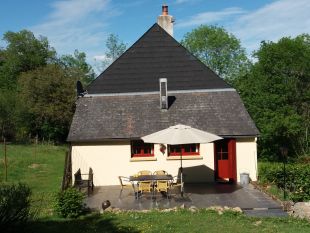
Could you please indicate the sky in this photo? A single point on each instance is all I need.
(85, 24)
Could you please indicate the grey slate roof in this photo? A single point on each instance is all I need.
(133, 116)
(155, 55)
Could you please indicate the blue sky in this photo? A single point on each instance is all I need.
(85, 24)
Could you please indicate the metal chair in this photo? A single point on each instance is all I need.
(124, 182)
(176, 182)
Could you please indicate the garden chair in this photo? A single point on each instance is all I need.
(145, 186)
(162, 186)
(125, 183)
(176, 183)
(80, 183)
(160, 172)
(144, 172)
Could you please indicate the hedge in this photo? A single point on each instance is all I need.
(297, 178)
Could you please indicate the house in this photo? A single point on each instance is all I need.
(155, 84)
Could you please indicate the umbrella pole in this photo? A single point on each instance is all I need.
(182, 188)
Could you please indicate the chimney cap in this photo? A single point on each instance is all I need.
(164, 9)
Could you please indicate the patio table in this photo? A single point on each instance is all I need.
(149, 178)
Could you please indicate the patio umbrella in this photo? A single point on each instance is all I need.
(178, 135)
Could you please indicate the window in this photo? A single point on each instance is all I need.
(186, 149)
(141, 149)
(222, 150)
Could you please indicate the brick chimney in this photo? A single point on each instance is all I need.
(165, 20)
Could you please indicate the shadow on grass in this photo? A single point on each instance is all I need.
(91, 223)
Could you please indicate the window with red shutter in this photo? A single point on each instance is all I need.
(141, 149)
(186, 149)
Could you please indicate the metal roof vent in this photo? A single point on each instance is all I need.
(163, 93)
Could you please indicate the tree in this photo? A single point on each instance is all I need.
(23, 52)
(77, 67)
(277, 94)
(48, 95)
(218, 49)
(7, 113)
(115, 48)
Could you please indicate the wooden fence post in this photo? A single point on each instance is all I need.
(5, 161)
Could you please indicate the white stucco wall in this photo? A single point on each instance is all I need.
(246, 153)
(112, 159)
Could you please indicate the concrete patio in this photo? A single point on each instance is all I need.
(250, 200)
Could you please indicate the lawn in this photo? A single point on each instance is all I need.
(179, 221)
(41, 167)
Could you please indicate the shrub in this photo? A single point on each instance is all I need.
(297, 179)
(69, 203)
(14, 203)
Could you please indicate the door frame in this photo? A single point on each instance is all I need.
(231, 157)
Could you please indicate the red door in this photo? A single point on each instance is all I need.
(225, 160)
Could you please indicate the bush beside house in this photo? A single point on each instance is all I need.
(297, 179)
(69, 203)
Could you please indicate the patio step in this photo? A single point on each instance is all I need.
(265, 212)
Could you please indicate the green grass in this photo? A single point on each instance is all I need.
(41, 167)
(179, 221)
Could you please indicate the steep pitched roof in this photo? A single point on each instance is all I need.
(155, 55)
(133, 116)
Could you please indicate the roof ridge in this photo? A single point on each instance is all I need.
(109, 67)
(156, 53)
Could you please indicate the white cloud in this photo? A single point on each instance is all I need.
(210, 17)
(74, 24)
(271, 22)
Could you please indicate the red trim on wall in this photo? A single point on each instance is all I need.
(232, 160)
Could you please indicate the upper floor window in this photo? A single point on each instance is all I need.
(141, 149)
(186, 149)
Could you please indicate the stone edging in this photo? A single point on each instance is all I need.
(219, 209)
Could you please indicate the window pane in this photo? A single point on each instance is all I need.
(193, 147)
(225, 156)
(222, 146)
(175, 149)
(187, 148)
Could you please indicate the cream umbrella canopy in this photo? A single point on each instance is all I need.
(178, 135)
